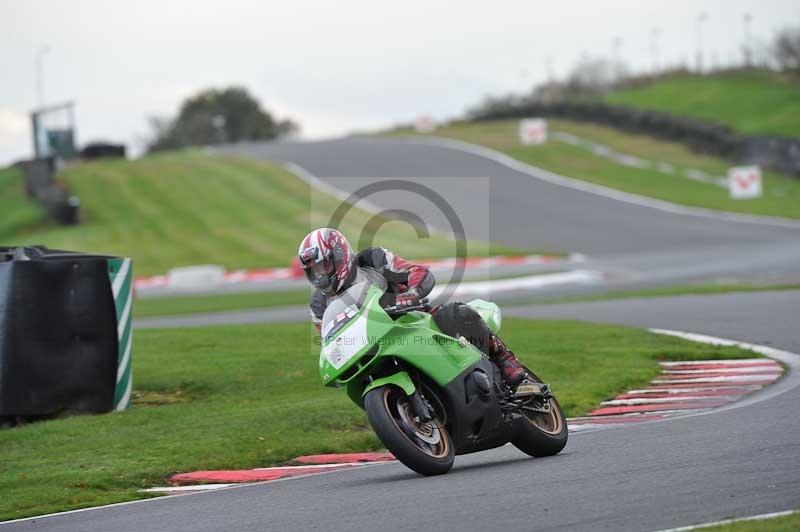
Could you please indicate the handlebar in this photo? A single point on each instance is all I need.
(423, 305)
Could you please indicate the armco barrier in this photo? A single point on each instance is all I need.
(65, 333)
(779, 153)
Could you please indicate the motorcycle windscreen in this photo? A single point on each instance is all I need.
(343, 308)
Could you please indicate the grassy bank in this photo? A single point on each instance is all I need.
(754, 102)
(249, 396)
(184, 208)
(781, 193)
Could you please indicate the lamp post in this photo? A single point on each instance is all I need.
(616, 45)
(701, 17)
(40, 53)
(655, 33)
(523, 79)
(551, 79)
(746, 48)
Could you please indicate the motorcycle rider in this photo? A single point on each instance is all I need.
(331, 267)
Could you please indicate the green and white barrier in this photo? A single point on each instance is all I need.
(121, 276)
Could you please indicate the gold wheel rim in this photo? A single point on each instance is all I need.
(552, 423)
(443, 446)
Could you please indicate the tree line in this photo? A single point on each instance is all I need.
(216, 116)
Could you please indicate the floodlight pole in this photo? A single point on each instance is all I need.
(40, 53)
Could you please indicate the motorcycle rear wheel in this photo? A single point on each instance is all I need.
(424, 447)
(542, 434)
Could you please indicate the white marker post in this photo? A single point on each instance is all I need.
(744, 182)
(424, 124)
(533, 131)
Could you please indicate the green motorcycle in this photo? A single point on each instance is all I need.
(429, 396)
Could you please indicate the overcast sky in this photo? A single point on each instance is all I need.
(332, 66)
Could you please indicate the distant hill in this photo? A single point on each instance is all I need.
(753, 102)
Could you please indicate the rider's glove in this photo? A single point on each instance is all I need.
(407, 299)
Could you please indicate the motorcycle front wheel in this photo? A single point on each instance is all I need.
(424, 447)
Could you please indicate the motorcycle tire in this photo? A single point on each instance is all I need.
(425, 448)
(545, 435)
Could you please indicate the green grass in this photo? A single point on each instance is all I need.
(754, 102)
(182, 208)
(781, 193)
(18, 212)
(666, 291)
(786, 523)
(168, 306)
(249, 396)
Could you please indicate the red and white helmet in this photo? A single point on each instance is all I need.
(327, 260)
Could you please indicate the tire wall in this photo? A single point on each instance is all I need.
(60, 333)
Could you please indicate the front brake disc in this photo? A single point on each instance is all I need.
(426, 432)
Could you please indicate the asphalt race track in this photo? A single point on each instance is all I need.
(635, 242)
(646, 244)
(737, 461)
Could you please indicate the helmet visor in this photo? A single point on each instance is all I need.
(320, 274)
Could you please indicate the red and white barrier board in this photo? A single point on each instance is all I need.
(424, 124)
(744, 182)
(533, 131)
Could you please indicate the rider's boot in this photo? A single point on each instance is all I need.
(510, 366)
